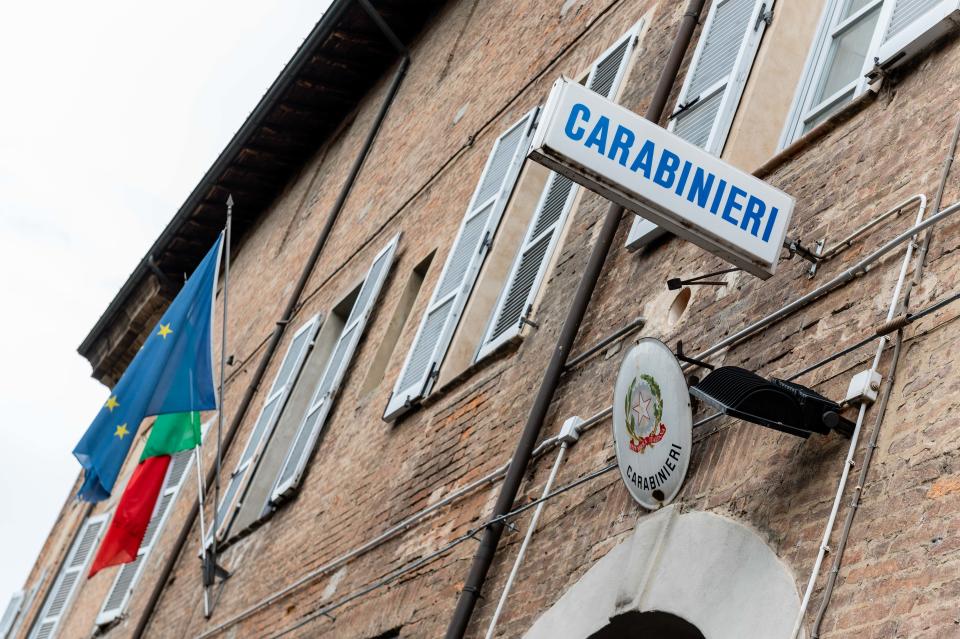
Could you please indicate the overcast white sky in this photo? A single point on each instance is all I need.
(110, 112)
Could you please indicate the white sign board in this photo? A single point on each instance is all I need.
(676, 185)
(652, 423)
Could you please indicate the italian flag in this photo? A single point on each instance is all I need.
(171, 433)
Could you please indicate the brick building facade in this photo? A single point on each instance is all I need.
(353, 511)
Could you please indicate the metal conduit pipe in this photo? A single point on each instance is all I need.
(544, 447)
(938, 198)
(858, 269)
(487, 548)
(851, 451)
(285, 318)
(885, 398)
(521, 553)
(621, 332)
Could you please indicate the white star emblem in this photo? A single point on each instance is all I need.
(641, 410)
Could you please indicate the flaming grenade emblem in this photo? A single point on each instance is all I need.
(643, 392)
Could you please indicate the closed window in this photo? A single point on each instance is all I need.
(320, 354)
(854, 37)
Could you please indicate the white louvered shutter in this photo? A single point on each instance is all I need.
(553, 207)
(293, 361)
(25, 606)
(462, 266)
(910, 25)
(11, 612)
(714, 84)
(72, 573)
(129, 574)
(326, 392)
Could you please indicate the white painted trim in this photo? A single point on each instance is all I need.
(698, 566)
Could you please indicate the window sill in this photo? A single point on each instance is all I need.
(502, 352)
(817, 133)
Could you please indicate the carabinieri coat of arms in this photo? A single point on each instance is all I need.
(645, 430)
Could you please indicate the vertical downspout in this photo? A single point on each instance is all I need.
(287, 315)
(568, 333)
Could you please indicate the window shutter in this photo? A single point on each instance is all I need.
(126, 580)
(463, 264)
(719, 71)
(71, 573)
(11, 612)
(714, 84)
(320, 404)
(556, 201)
(910, 25)
(272, 407)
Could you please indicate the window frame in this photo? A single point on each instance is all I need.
(493, 338)
(832, 25)
(354, 327)
(405, 395)
(230, 503)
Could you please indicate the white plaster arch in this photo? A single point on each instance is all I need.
(707, 569)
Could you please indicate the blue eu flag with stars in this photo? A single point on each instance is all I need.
(172, 373)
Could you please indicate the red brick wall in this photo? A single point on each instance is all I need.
(498, 59)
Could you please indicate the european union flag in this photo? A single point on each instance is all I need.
(172, 373)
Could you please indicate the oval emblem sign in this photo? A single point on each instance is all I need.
(652, 423)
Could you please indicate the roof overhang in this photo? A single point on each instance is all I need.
(338, 63)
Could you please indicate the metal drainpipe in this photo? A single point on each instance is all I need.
(568, 333)
(276, 336)
(882, 406)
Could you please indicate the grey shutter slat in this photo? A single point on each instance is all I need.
(695, 125)
(10, 613)
(718, 72)
(287, 374)
(120, 591)
(129, 574)
(607, 72)
(904, 13)
(72, 572)
(532, 260)
(462, 266)
(329, 385)
(721, 44)
(556, 201)
(714, 85)
(910, 26)
(45, 630)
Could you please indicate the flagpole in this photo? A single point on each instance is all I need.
(203, 531)
(223, 367)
